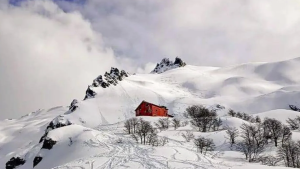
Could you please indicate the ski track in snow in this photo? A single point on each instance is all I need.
(129, 151)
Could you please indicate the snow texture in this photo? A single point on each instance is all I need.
(89, 134)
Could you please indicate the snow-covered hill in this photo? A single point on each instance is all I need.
(88, 136)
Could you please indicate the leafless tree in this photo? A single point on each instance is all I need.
(163, 124)
(163, 141)
(274, 127)
(253, 142)
(231, 113)
(144, 128)
(232, 134)
(203, 145)
(202, 117)
(176, 123)
(217, 123)
(286, 135)
(257, 119)
(188, 136)
(269, 160)
(290, 153)
(184, 123)
(130, 125)
(294, 124)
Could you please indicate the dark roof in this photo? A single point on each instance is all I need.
(152, 104)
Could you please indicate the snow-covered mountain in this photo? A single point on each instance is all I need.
(87, 133)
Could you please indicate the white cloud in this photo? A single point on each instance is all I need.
(202, 32)
(47, 57)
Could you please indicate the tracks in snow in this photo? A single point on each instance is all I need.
(128, 154)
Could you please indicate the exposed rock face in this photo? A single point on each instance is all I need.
(58, 122)
(48, 144)
(37, 160)
(89, 93)
(109, 78)
(73, 105)
(293, 107)
(14, 162)
(100, 82)
(166, 65)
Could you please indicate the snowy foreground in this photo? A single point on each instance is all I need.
(96, 138)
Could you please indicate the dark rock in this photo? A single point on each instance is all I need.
(37, 160)
(89, 93)
(166, 65)
(109, 78)
(73, 105)
(100, 82)
(58, 122)
(293, 107)
(14, 162)
(179, 62)
(48, 144)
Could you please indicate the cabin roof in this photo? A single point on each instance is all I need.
(164, 107)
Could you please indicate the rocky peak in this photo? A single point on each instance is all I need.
(166, 65)
(109, 78)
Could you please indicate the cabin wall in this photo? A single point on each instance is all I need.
(158, 111)
(147, 109)
(144, 110)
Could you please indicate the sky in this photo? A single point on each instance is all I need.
(50, 51)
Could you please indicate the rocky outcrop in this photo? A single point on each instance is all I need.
(37, 160)
(89, 93)
(48, 144)
(166, 65)
(295, 108)
(109, 78)
(14, 162)
(73, 105)
(58, 122)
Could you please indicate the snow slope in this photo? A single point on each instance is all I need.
(92, 139)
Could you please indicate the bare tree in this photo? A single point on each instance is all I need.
(163, 124)
(188, 136)
(269, 160)
(290, 153)
(274, 127)
(152, 138)
(203, 145)
(134, 122)
(184, 123)
(286, 135)
(130, 125)
(294, 123)
(253, 142)
(217, 123)
(144, 128)
(176, 123)
(232, 134)
(257, 119)
(231, 113)
(202, 117)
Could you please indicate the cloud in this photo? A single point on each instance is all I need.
(214, 32)
(47, 57)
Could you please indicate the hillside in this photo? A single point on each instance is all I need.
(88, 137)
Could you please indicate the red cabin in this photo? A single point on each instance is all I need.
(150, 109)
